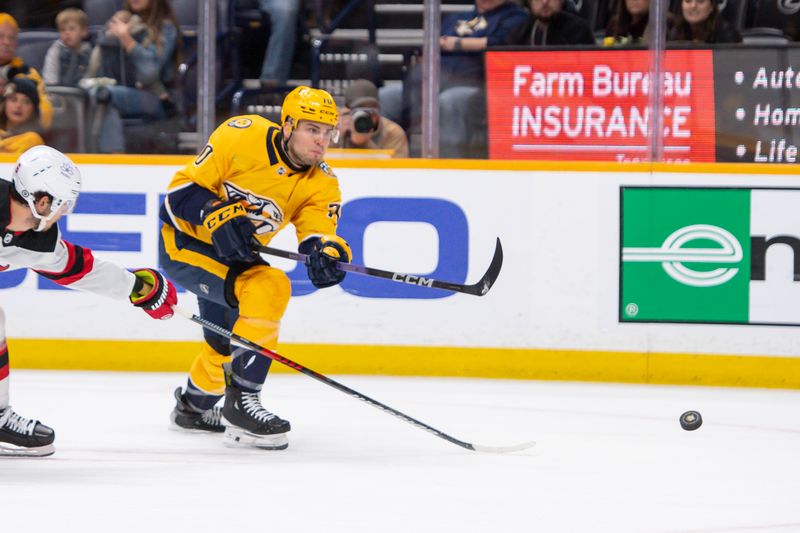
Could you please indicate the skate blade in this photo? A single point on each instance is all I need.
(239, 438)
(191, 431)
(9, 450)
(173, 426)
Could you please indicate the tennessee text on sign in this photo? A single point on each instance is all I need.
(711, 255)
(594, 105)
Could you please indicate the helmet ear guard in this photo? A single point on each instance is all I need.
(44, 170)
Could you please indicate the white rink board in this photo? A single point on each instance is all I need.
(558, 288)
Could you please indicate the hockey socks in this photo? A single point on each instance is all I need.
(3, 374)
(199, 400)
(249, 369)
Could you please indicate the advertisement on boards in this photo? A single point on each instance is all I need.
(594, 105)
(422, 225)
(758, 105)
(709, 255)
(726, 105)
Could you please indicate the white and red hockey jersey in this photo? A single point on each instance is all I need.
(60, 261)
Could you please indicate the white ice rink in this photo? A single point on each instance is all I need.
(609, 458)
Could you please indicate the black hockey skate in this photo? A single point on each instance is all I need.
(21, 437)
(247, 423)
(185, 418)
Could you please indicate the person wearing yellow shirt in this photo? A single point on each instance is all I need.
(12, 66)
(252, 179)
(19, 113)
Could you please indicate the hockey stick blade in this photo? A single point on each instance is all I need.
(504, 449)
(250, 345)
(477, 289)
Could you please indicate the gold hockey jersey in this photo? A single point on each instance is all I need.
(244, 159)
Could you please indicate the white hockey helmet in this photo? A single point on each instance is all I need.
(42, 169)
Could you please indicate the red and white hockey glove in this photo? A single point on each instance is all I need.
(158, 301)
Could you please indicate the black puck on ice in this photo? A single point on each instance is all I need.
(691, 420)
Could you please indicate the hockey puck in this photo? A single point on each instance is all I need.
(691, 420)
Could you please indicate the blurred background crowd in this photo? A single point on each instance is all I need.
(120, 76)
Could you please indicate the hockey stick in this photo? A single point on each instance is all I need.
(478, 289)
(250, 345)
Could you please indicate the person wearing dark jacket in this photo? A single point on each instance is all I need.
(550, 25)
(464, 38)
(699, 21)
(629, 24)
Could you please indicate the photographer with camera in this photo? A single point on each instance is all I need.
(362, 125)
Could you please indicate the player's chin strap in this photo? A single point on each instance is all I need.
(250, 345)
(54, 212)
(285, 153)
(42, 224)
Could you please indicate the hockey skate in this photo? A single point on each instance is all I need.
(20, 437)
(248, 424)
(184, 418)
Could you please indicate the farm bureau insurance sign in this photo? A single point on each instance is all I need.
(594, 105)
(711, 255)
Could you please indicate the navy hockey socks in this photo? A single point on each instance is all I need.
(249, 369)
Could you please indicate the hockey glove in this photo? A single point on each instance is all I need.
(158, 301)
(323, 254)
(230, 230)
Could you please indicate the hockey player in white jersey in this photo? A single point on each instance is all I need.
(45, 186)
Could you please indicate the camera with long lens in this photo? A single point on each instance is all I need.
(365, 119)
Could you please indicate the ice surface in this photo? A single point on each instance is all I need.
(609, 458)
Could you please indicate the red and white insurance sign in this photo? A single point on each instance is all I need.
(594, 105)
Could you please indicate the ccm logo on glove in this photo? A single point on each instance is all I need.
(230, 230)
(223, 214)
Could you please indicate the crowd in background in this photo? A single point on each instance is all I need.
(128, 67)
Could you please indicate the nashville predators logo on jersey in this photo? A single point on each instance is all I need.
(240, 123)
(265, 213)
(326, 169)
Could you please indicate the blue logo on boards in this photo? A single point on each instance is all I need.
(446, 218)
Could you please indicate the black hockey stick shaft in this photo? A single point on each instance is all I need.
(478, 289)
(340, 387)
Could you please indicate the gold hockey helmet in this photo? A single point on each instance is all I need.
(307, 103)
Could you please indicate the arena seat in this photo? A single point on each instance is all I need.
(733, 12)
(68, 131)
(776, 14)
(99, 11)
(32, 46)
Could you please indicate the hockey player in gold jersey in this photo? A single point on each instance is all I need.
(252, 179)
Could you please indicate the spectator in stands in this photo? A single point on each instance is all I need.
(68, 58)
(362, 126)
(12, 66)
(19, 114)
(465, 36)
(145, 36)
(282, 35)
(699, 21)
(550, 25)
(629, 24)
